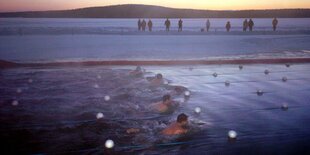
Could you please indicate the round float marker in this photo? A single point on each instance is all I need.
(227, 83)
(166, 82)
(109, 144)
(240, 67)
(284, 107)
(18, 90)
(197, 110)
(284, 79)
(107, 98)
(96, 86)
(99, 115)
(98, 77)
(214, 74)
(30, 80)
(266, 72)
(259, 92)
(15, 103)
(187, 93)
(232, 134)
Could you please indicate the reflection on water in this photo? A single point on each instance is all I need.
(75, 110)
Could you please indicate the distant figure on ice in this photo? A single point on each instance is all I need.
(228, 26)
(180, 25)
(245, 25)
(143, 24)
(208, 24)
(178, 127)
(167, 24)
(274, 24)
(251, 24)
(150, 25)
(139, 24)
(166, 106)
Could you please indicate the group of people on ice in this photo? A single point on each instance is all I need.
(142, 25)
(246, 25)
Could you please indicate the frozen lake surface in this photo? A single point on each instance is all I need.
(118, 39)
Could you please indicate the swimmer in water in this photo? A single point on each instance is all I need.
(178, 127)
(137, 72)
(158, 80)
(165, 106)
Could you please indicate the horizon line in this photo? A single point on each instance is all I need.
(154, 6)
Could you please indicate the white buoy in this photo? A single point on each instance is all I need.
(18, 90)
(30, 80)
(214, 74)
(284, 79)
(99, 115)
(232, 134)
(197, 110)
(187, 93)
(15, 103)
(109, 144)
(98, 76)
(227, 83)
(259, 92)
(166, 82)
(284, 107)
(266, 72)
(107, 98)
(96, 86)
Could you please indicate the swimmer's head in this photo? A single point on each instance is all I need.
(138, 68)
(159, 76)
(182, 119)
(166, 98)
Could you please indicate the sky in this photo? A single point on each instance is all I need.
(38, 5)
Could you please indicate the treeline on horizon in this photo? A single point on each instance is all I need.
(149, 11)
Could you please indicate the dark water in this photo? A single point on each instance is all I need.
(57, 108)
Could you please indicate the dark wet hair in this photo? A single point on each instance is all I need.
(159, 76)
(181, 118)
(166, 97)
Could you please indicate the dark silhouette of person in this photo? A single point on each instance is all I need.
(228, 26)
(139, 24)
(150, 25)
(143, 24)
(274, 24)
(167, 23)
(180, 25)
(208, 24)
(251, 25)
(245, 25)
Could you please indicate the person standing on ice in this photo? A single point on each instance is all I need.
(228, 26)
(208, 24)
(245, 25)
(180, 25)
(143, 24)
(139, 24)
(274, 24)
(167, 24)
(150, 25)
(251, 24)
